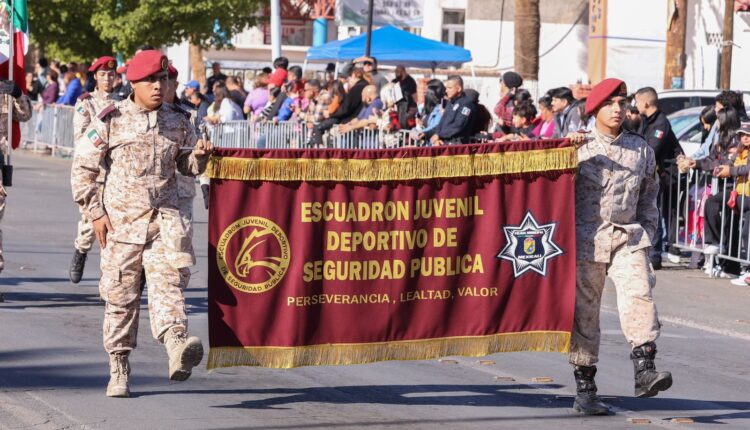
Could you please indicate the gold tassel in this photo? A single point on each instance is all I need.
(392, 169)
(423, 349)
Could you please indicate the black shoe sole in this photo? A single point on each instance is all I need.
(75, 279)
(599, 412)
(662, 384)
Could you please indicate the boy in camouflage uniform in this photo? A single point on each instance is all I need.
(616, 218)
(136, 217)
(86, 108)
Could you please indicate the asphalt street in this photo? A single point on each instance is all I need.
(53, 370)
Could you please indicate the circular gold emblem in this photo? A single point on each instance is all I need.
(111, 64)
(253, 254)
(164, 63)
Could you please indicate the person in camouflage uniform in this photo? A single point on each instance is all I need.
(616, 217)
(11, 97)
(136, 218)
(185, 184)
(86, 108)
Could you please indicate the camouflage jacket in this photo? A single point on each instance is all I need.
(21, 112)
(142, 151)
(185, 184)
(87, 106)
(616, 186)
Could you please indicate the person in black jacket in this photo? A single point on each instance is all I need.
(347, 111)
(457, 121)
(657, 131)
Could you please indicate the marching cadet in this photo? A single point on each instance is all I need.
(616, 217)
(185, 184)
(136, 217)
(87, 106)
(11, 97)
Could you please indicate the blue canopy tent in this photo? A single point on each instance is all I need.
(393, 46)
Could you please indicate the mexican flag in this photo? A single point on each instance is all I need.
(19, 16)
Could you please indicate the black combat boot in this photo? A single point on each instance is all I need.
(586, 401)
(648, 382)
(76, 266)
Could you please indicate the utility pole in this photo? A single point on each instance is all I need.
(275, 29)
(369, 28)
(726, 45)
(526, 44)
(674, 66)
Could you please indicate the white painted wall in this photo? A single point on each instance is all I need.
(704, 16)
(741, 52)
(179, 55)
(636, 42)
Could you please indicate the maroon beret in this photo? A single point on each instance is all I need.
(124, 68)
(602, 91)
(172, 72)
(105, 63)
(145, 64)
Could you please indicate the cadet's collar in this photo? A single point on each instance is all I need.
(605, 138)
(101, 95)
(131, 104)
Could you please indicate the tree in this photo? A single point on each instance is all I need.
(526, 38)
(62, 30)
(130, 23)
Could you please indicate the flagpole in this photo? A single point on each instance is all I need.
(11, 104)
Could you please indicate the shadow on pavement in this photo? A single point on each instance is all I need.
(439, 423)
(31, 279)
(24, 300)
(408, 395)
(17, 374)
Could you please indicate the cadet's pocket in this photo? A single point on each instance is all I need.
(109, 283)
(168, 161)
(591, 174)
(136, 160)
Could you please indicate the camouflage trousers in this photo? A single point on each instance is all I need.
(86, 235)
(2, 212)
(634, 279)
(122, 264)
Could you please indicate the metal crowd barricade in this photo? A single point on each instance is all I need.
(688, 217)
(372, 139)
(49, 129)
(64, 141)
(261, 134)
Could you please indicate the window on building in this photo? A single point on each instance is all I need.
(454, 22)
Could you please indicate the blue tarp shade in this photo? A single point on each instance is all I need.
(391, 45)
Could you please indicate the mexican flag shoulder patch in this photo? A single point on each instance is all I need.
(93, 137)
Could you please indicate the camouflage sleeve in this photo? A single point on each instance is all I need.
(188, 163)
(22, 108)
(647, 213)
(81, 119)
(87, 159)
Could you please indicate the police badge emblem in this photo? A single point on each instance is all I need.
(529, 246)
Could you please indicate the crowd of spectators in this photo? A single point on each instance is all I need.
(361, 97)
(723, 209)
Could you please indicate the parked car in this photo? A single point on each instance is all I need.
(687, 127)
(671, 101)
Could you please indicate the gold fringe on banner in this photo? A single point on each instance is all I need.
(359, 353)
(392, 169)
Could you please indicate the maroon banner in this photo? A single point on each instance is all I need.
(323, 257)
